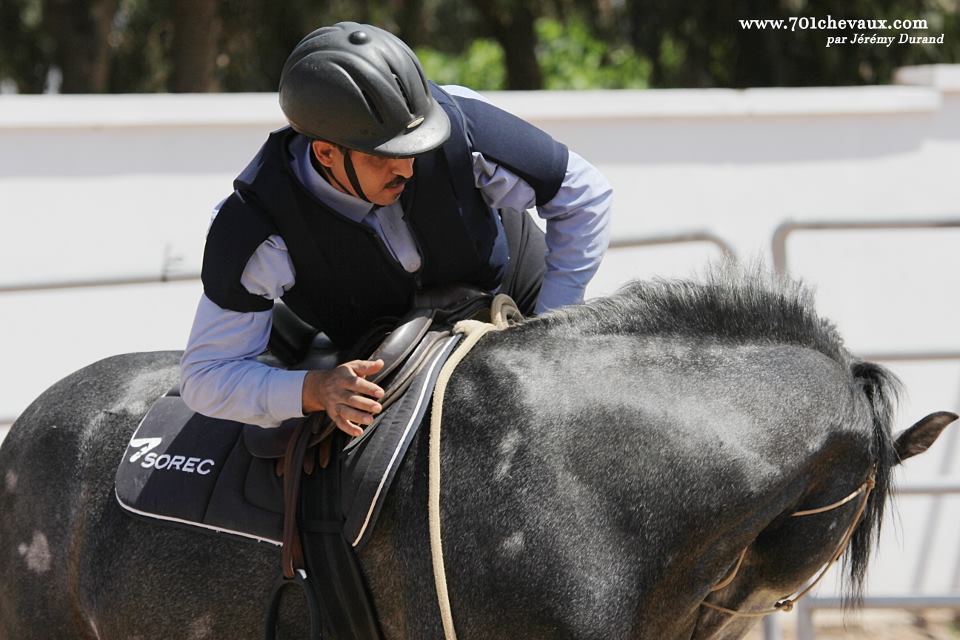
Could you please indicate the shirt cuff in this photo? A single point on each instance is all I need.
(285, 394)
(556, 292)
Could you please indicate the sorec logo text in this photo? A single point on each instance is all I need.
(166, 461)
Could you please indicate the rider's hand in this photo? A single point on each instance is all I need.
(348, 398)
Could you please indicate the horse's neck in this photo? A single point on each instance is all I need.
(654, 457)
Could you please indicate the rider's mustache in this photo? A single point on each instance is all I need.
(396, 182)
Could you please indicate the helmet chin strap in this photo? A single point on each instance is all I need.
(327, 173)
(352, 175)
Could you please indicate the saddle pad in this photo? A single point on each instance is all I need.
(185, 468)
(188, 469)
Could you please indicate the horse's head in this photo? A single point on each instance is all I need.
(762, 449)
(839, 516)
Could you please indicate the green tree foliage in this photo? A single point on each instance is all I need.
(257, 39)
(568, 54)
(511, 24)
(479, 67)
(702, 44)
(573, 57)
(140, 46)
(240, 45)
(25, 48)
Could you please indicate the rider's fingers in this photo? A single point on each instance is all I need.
(367, 388)
(364, 403)
(356, 416)
(340, 415)
(365, 368)
(348, 427)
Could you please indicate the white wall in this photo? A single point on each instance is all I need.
(115, 186)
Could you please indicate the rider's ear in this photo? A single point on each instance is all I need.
(325, 152)
(921, 435)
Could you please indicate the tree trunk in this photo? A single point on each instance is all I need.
(410, 22)
(511, 24)
(196, 39)
(82, 51)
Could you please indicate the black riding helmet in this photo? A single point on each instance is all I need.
(362, 88)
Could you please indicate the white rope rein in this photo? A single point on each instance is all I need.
(786, 604)
(502, 310)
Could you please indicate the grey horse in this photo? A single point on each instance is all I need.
(620, 469)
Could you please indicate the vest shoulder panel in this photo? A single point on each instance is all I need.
(234, 235)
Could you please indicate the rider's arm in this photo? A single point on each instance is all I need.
(219, 376)
(578, 223)
(577, 215)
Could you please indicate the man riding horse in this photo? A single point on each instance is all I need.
(668, 463)
(382, 185)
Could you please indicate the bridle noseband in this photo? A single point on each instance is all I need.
(786, 604)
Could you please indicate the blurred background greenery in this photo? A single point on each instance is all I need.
(123, 46)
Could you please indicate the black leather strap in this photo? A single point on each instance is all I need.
(314, 607)
(352, 174)
(336, 574)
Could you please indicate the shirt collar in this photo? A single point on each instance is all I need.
(343, 203)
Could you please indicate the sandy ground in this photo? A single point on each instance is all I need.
(874, 625)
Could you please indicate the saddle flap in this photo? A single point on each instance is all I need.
(269, 443)
(369, 465)
(400, 381)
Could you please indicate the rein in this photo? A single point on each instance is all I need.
(786, 604)
(503, 312)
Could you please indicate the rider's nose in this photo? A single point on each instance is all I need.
(403, 167)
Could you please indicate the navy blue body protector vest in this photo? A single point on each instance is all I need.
(346, 278)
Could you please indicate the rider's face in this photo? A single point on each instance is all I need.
(382, 179)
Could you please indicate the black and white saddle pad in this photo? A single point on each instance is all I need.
(187, 469)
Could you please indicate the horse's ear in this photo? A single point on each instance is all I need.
(921, 435)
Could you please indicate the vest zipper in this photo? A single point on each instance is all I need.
(394, 263)
(418, 274)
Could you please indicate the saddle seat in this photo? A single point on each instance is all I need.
(405, 348)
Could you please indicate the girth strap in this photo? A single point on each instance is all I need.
(313, 537)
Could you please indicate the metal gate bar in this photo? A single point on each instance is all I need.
(778, 244)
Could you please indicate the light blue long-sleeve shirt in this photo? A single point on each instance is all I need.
(221, 378)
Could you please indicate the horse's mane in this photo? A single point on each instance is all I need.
(739, 306)
(728, 304)
(881, 389)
